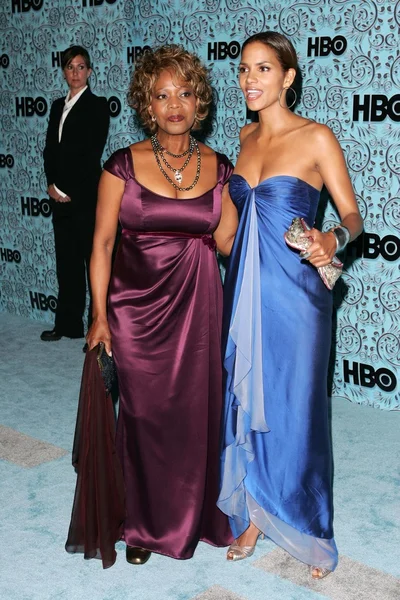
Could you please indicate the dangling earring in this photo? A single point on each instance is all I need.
(295, 97)
(153, 119)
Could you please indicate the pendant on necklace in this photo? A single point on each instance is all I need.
(178, 176)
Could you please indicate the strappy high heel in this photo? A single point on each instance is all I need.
(236, 552)
(321, 572)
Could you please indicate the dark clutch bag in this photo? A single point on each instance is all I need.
(330, 273)
(106, 366)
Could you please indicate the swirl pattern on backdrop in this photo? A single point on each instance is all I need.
(349, 57)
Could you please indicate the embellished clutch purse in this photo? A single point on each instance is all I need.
(330, 273)
(106, 366)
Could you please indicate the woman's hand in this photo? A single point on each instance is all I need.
(56, 196)
(99, 332)
(52, 192)
(323, 248)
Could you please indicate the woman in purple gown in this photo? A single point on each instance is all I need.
(164, 309)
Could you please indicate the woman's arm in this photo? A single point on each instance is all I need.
(100, 123)
(50, 149)
(225, 233)
(331, 165)
(111, 189)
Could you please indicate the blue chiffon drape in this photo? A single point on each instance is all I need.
(276, 458)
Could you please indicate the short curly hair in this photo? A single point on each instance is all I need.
(185, 65)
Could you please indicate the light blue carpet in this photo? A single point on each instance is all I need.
(39, 386)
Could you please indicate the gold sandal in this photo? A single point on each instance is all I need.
(236, 552)
(321, 572)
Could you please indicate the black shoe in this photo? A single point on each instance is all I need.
(50, 336)
(137, 556)
(85, 348)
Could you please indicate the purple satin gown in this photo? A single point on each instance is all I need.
(165, 306)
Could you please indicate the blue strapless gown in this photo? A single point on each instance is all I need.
(276, 459)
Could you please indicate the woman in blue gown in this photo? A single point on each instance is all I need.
(276, 461)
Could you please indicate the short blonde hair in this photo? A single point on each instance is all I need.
(185, 65)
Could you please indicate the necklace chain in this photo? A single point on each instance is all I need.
(159, 152)
(177, 172)
(191, 144)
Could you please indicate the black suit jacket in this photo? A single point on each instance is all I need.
(73, 164)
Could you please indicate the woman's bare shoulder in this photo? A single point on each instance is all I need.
(140, 149)
(318, 130)
(315, 135)
(322, 138)
(247, 130)
(205, 150)
(142, 145)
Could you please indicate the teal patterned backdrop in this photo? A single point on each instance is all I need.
(349, 54)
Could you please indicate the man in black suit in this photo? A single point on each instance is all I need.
(76, 136)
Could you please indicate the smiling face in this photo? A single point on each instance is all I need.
(76, 74)
(261, 76)
(173, 104)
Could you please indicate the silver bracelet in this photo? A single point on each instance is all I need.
(342, 235)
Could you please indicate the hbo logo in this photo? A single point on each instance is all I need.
(32, 207)
(376, 107)
(56, 58)
(4, 61)
(367, 376)
(26, 5)
(322, 46)
(86, 3)
(370, 245)
(10, 255)
(6, 160)
(29, 107)
(114, 106)
(388, 247)
(134, 52)
(222, 50)
(42, 302)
